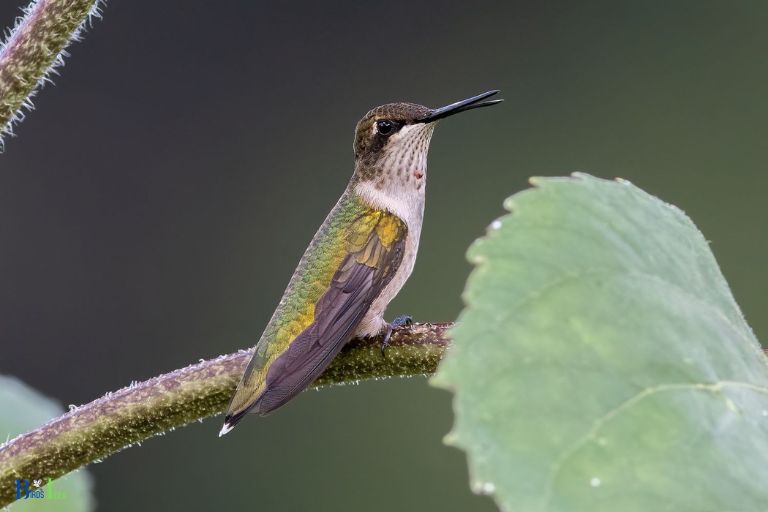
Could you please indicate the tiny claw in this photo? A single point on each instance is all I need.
(400, 321)
(385, 340)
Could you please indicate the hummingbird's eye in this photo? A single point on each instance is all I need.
(386, 126)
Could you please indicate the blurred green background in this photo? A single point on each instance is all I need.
(154, 205)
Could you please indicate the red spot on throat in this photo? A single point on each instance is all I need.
(418, 174)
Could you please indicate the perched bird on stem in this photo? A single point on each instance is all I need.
(356, 263)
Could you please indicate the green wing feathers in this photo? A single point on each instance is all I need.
(353, 256)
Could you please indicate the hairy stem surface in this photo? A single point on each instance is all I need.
(34, 47)
(132, 414)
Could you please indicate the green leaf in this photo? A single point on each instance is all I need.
(601, 363)
(23, 409)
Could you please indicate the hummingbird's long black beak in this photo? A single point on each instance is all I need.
(460, 106)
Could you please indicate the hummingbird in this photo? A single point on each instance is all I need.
(356, 263)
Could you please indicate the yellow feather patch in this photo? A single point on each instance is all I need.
(360, 230)
(389, 229)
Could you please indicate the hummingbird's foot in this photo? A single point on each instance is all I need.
(400, 321)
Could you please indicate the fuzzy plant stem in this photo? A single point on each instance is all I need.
(119, 419)
(34, 47)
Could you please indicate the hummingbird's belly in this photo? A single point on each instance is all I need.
(373, 323)
(407, 202)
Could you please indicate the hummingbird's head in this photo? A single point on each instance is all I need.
(391, 141)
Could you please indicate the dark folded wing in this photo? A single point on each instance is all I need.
(361, 277)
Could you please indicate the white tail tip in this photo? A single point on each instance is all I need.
(227, 428)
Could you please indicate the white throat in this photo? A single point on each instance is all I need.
(401, 179)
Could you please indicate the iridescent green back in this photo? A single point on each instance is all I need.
(347, 230)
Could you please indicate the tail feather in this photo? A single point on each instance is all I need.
(230, 420)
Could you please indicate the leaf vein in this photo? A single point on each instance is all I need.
(601, 422)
